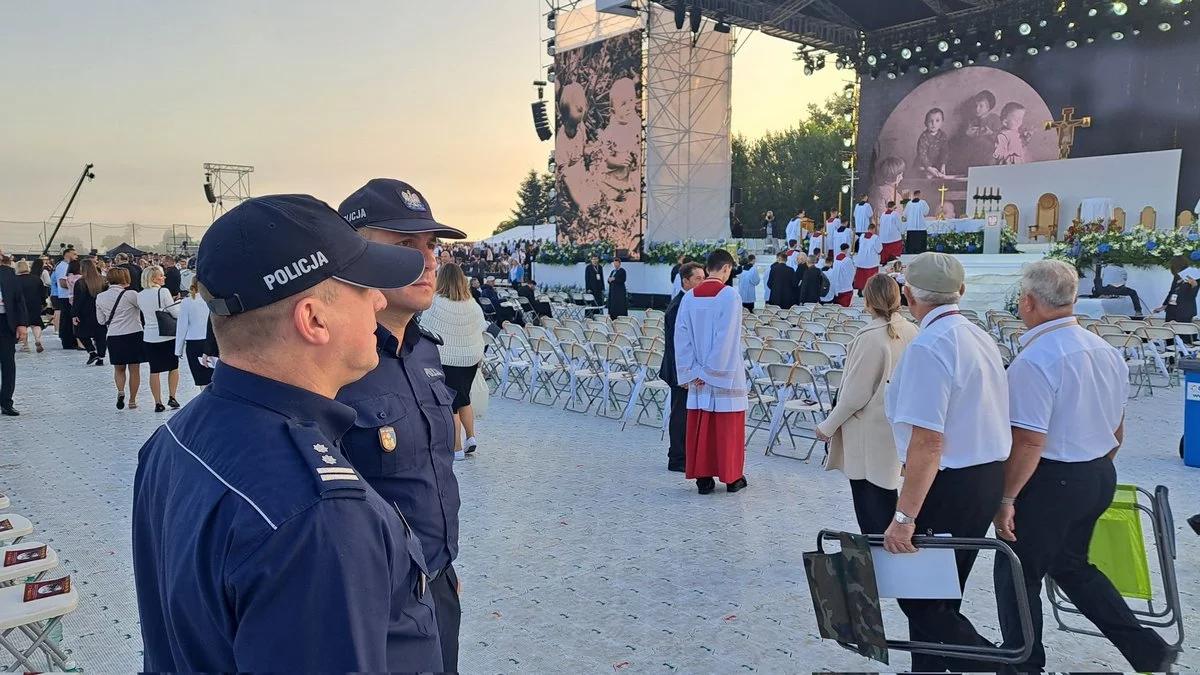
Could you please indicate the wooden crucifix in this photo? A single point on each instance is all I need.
(1066, 130)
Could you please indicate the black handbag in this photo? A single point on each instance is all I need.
(167, 323)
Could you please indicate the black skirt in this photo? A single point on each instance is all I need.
(161, 356)
(459, 379)
(201, 374)
(124, 350)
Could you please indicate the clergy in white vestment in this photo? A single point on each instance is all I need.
(793, 256)
(867, 260)
(841, 280)
(862, 215)
(816, 244)
(914, 223)
(708, 362)
(891, 234)
(792, 232)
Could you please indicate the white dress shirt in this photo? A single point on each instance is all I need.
(951, 380)
(193, 323)
(150, 300)
(914, 215)
(1070, 385)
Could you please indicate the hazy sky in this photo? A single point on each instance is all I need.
(319, 96)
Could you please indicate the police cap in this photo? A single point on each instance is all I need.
(390, 204)
(273, 247)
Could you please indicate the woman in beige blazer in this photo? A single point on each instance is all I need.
(861, 444)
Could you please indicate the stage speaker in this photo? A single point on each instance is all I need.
(680, 14)
(209, 194)
(735, 196)
(541, 122)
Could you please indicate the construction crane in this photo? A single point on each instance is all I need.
(88, 175)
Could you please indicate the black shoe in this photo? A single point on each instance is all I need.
(158, 407)
(91, 359)
(9, 412)
(120, 401)
(705, 485)
(1194, 521)
(173, 403)
(736, 485)
(99, 362)
(675, 468)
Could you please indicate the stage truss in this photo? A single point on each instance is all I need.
(688, 110)
(230, 182)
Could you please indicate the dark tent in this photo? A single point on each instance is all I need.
(124, 248)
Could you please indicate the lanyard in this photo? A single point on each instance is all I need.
(942, 316)
(1037, 336)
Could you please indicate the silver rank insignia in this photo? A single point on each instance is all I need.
(319, 447)
(329, 459)
(387, 439)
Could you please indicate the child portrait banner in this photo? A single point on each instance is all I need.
(598, 145)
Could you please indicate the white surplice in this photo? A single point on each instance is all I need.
(862, 217)
(836, 239)
(914, 215)
(708, 346)
(891, 229)
(793, 230)
(841, 280)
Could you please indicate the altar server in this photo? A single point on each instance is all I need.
(708, 362)
(862, 215)
(793, 228)
(794, 254)
(1067, 393)
(891, 234)
(914, 223)
(817, 243)
(867, 260)
(841, 234)
(842, 278)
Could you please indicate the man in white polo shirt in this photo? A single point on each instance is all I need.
(948, 406)
(1067, 393)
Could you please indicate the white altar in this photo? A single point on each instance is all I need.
(949, 225)
(1097, 209)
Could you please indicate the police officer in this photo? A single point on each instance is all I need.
(256, 545)
(403, 441)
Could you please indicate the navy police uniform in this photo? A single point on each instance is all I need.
(403, 439)
(256, 545)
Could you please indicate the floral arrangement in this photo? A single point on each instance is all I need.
(569, 254)
(668, 252)
(1140, 248)
(970, 242)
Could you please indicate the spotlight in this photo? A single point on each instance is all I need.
(1024, 29)
(1093, 11)
(1176, 2)
(808, 69)
(943, 46)
(958, 64)
(882, 55)
(846, 164)
(1071, 44)
(906, 53)
(993, 58)
(872, 59)
(1164, 26)
(1118, 35)
(820, 62)
(849, 117)
(1120, 8)
(998, 35)
(1032, 51)
(551, 21)
(722, 27)
(891, 75)
(845, 189)
(923, 69)
(850, 141)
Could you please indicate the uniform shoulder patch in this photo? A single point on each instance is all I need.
(430, 335)
(332, 473)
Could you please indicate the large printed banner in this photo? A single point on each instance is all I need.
(598, 147)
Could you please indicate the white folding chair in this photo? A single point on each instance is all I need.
(549, 372)
(618, 378)
(517, 366)
(798, 400)
(18, 528)
(649, 389)
(26, 629)
(584, 384)
(32, 569)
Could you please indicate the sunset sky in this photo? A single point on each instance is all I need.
(319, 96)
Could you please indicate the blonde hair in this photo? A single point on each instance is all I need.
(150, 273)
(882, 297)
(194, 290)
(452, 283)
(22, 267)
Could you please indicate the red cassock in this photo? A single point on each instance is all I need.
(716, 445)
(844, 299)
(862, 275)
(892, 251)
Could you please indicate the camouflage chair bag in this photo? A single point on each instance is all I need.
(845, 596)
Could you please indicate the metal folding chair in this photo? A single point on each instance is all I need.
(649, 389)
(548, 372)
(26, 629)
(1168, 613)
(797, 399)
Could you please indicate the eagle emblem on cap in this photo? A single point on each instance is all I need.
(413, 200)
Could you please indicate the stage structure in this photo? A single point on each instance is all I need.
(226, 183)
(688, 105)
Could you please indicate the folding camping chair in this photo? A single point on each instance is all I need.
(846, 598)
(1118, 549)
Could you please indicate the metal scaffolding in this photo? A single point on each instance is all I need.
(226, 183)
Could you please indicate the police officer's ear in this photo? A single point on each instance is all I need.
(312, 316)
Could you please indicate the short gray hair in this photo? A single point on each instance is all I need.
(933, 298)
(1053, 282)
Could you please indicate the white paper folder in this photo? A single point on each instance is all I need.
(928, 574)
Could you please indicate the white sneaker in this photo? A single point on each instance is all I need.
(460, 456)
(471, 445)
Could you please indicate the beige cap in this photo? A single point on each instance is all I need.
(935, 273)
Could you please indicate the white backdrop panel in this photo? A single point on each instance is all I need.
(688, 161)
(1132, 181)
(584, 25)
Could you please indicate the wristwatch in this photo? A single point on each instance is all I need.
(903, 518)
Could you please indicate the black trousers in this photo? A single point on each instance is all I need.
(97, 345)
(449, 616)
(748, 305)
(916, 241)
(962, 503)
(66, 330)
(874, 507)
(677, 430)
(1056, 513)
(8, 367)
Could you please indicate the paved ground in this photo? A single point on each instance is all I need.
(579, 552)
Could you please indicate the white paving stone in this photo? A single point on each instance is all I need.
(579, 551)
